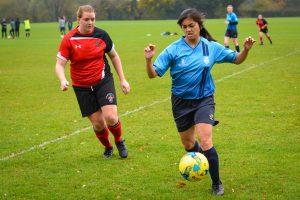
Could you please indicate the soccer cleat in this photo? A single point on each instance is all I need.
(108, 152)
(122, 148)
(217, 190)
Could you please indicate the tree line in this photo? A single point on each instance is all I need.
(50, 10)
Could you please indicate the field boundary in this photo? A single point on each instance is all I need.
(15, 154)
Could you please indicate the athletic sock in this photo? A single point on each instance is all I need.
(196, 148)
(116, 130)
(261, 40)
(237, 48)
(103, 137)
(213, 161)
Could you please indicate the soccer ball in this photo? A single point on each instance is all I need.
(193, 166)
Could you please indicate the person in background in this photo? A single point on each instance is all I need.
(12, 28)
(27, 27)
(17, 30)
(231, 31)
(70, 24)
(190, 60)
(262, 26)
(4, 28)
(86, 46)
(62, 25)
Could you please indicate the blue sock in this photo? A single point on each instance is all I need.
(213, 160)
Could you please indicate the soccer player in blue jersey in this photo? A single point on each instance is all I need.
(190, 60)
(231, 31)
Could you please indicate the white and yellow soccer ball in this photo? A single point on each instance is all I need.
(193, 166)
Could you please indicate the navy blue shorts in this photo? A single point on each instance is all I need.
(231, 33)
(91, 99)
(187, 113)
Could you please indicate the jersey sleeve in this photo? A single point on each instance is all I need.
(223, 55)
(109, 43)
(162, 62)
(64, 51)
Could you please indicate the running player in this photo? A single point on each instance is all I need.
(262, 26)
(190, 60)
(86, 46)
(231, 31)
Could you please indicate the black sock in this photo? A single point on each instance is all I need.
(227, 47)
(237, 48)
(213, 160)
(196, 148)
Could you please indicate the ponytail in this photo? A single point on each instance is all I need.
(204, 33)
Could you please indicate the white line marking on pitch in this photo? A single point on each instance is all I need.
(12, 155)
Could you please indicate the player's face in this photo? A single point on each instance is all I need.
(229, 9)
(191, 29)
(87, 22)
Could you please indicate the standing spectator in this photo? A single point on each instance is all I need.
(62, 25)
(70, 24)
(87, 46)
(3, 28)
(12, 28)
(231, 31)
(27, 27)
(262, 26)
(17, 30)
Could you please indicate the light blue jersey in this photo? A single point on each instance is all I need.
(233, 20)
(190, 68)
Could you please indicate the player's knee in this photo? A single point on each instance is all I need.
(206, 144)
(111, 118)
(98, 125)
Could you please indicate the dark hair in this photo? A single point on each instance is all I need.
(198, 17)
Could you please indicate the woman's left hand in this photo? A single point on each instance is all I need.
(248, 43)
(125, 86)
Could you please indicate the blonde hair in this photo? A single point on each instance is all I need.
(84, 8)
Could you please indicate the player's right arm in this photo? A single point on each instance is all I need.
(60, 73)
(149, 52)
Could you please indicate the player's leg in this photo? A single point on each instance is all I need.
(269, 37)
(188, 140)
(226, 41)
(204, 132)
(261, 37)
(236, 44)
(115, 127)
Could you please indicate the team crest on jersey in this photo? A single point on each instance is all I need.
(110, 97)
(206, 60)
(97, 43)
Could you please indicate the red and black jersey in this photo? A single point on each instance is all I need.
(87, 55)
(261, 23)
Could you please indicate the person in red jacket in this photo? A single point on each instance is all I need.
(86, 47)
(262, 26)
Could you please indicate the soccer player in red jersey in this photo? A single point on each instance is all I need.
(86, 47)
(262, 26)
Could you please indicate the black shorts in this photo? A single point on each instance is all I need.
(187, 113)
(265, 30)
(231, 33)
(91, 99)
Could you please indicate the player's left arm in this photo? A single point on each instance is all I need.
(241, 56)
(116, 61)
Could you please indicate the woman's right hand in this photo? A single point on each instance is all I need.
(149, 51)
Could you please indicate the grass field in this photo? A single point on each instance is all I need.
(49, 152)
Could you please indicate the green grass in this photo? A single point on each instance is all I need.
(257, 139)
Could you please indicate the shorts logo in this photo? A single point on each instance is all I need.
(110, 97)
(211, 116)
